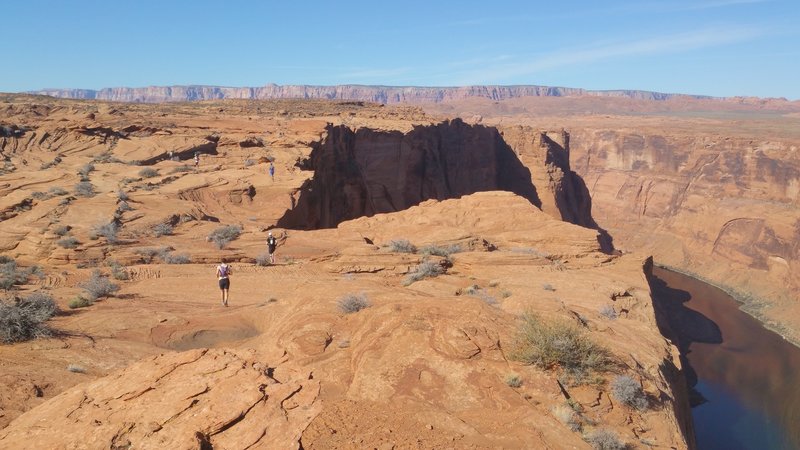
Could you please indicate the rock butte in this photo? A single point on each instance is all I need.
(168, 367)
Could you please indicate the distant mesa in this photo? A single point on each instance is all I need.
(377, 94)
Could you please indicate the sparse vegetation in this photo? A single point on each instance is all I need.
(608, 312)
(351, 303)
(603, 439)
(476, 291)
(62, 230)
(149, 253)
(548, 287)
(79, 302)
(24, 319)
(402, 246)
(85, 170)
(84, 189)
(122, 196)
(249, 162)
(56, 191)
(567, 416)
(629, 391)
(513, 380)
(118, 272)
(98, 286)
(124, 206)
(148, 172)
(10, 274)
(425, 269)
(225, 234)
(162, 229)
(436, 250)
(175, 258)
(183, 168)
(68, 242)
(108, 231)
(263, 259)
(557, 345)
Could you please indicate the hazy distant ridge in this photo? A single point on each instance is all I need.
(378, 94)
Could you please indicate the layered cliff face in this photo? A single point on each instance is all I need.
(724, 208)
(379, 94)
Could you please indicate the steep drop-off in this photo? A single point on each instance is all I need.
(720, 207)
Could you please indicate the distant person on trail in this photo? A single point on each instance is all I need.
(196, 159)
(272, 244)
(272, 171)
(223, 274)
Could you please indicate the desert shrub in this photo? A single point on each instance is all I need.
(148, 172)
(603, 439)
(122, 196)
(124, 206)
(223, 235)
(438, 250)
(68, 242)
(608, 312)
(557, 344)
(249, 162)
(85, 170)
(567, 416)
(548, 287)
(476, 291)
(175, 258)
(402, 246)
(24, 319)
(426, 269)
(84, 189)
(263, 259)
(108, 231)
(351, 303)
(79, 302)
(148, 253)
(118, 272)
(39, 195)
(162, 229)
(98, 286)
(62, 230)
(183, 168)
(10, 274)
(55, 191)
(629, 391)
(513, 380)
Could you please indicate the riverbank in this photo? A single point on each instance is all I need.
(749, 304)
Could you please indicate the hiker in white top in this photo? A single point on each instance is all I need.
(223, 274)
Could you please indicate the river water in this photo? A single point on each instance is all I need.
(745, 378)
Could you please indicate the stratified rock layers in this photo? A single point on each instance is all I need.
(724, 208)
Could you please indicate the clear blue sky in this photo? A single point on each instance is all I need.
(710, 47)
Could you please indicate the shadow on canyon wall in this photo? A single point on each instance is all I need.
(364, 172)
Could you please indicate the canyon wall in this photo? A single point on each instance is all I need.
(377, 94)
(720, 207)
(363, 172)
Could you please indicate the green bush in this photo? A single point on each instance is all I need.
(557, 345)
(513, 380)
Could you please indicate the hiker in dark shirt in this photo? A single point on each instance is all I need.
(272, 244)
